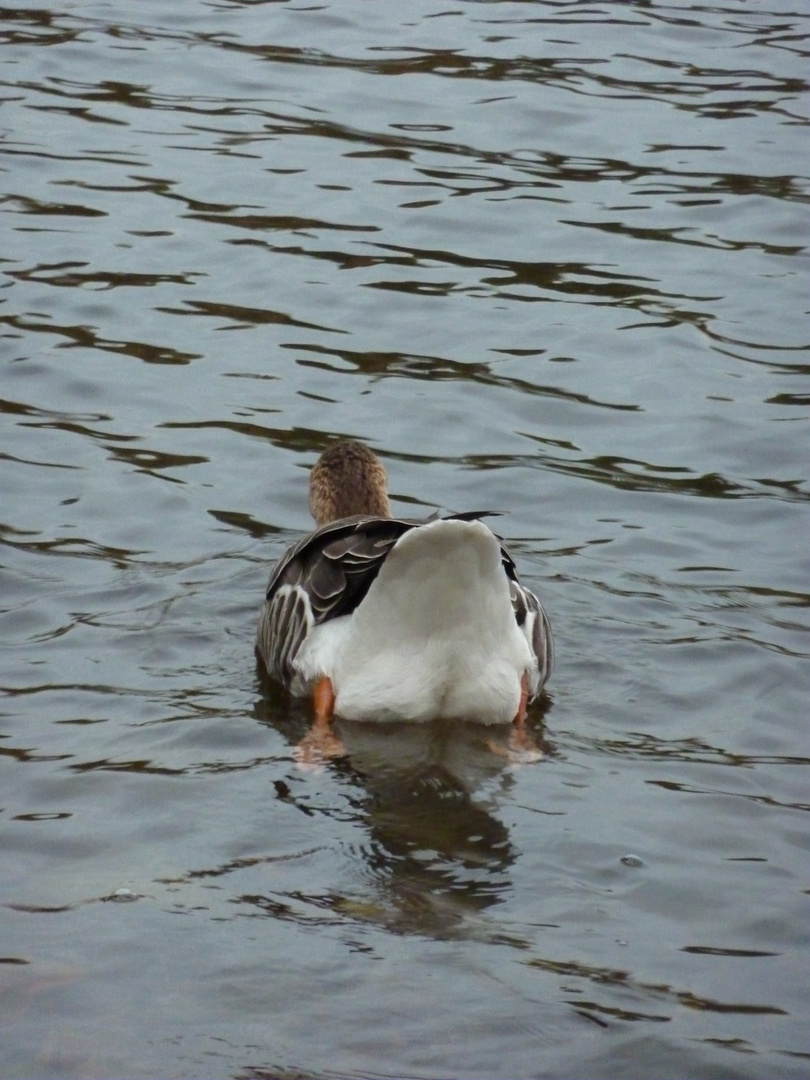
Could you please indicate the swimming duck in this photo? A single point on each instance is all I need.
(384, 618)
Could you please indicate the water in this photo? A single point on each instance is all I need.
(544, 257)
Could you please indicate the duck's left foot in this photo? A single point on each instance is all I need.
(318, 746)
(320, 743)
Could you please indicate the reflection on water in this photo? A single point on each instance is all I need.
(545, 258)
(427, 797)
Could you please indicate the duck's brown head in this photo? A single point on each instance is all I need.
(347, 479)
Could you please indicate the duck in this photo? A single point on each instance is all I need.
(382, 618)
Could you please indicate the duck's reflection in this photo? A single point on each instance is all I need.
(437, 852)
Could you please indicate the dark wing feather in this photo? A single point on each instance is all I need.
(532, 619)
(325, 574)
(335, 565)
(283, 626)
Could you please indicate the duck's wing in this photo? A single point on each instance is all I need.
(327, 573)
(532, 620)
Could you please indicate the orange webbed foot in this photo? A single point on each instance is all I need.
(320, 743)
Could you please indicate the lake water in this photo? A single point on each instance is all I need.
(545, 257)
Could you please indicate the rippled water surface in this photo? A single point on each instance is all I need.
(545, 257)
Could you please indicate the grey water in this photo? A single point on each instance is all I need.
(545, 257)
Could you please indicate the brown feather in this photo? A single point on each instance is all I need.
(348, 479)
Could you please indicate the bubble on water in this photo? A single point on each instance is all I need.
(632, 860)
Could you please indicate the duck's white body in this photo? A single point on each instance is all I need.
(434, 637)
